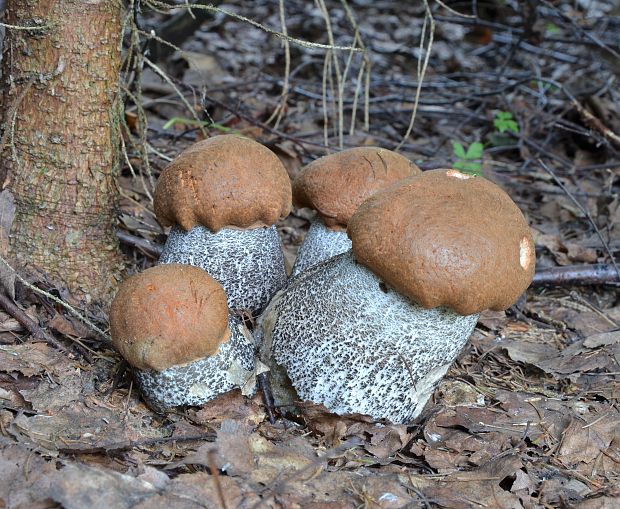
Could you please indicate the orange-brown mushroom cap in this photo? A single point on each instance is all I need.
(446, 239)
(336, 184)
(169, 315)
(223, 181)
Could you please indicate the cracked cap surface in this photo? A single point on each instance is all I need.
(223, 181)
(446, 239)
(336, 184)
(168, 315)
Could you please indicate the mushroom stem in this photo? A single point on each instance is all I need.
(199, 381)
(249, 264)
(362, 347)
(320, 244)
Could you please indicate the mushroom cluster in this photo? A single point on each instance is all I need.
(373, 330)
(179, 324)
(387, 286)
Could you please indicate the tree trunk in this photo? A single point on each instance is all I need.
(60, 140)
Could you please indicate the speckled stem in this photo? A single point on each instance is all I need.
(202, 380)
(351, 343)
(249, 264)
(320, 244)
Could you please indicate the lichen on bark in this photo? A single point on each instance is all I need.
(60, 142)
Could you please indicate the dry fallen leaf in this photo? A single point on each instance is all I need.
(481, 487)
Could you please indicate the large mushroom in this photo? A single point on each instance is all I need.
(223, 196)
(171, 323)
(335, 185)
(373, 330)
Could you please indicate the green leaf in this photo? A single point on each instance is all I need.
(504, 122)
(552, 28)
(468, 167)
(458, 150)
(474, 151)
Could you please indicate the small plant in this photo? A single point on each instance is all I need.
(468, 160)
(174, 121)
(552, 29)
(505, 123)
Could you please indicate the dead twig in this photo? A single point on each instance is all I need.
(28, 323)
(586, 213)
(263, 384)
(147, 247)
(596, 123)
(216, 477)
(599, 274)
(125, 446)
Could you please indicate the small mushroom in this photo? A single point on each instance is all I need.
(223, 196)
(335, 185)
(373, 330)
(171, 323)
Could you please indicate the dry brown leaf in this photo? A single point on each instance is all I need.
(231, 406)
(25, 478)
(602, 339)
(386, 441)
(78, 486)
(492, 320)
(570, 362)
(594, 445)
(478, 488)
(70, 327)
(334, 427)
(604, 502)
(32, 359)
(457, 393)
(81, 428)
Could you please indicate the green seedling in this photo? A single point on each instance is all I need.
(505, 123)
(468, 160)
(552, 28)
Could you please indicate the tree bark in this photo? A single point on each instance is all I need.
(60, 142)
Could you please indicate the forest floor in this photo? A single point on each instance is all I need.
(528, 416)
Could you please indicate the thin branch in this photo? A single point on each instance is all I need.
(280, 108)
(456, 13)
(61, 302)
(28, 323)
(294, 40)
(167, 79)
(600, 274)
(150, 249)
(585, 212)
(17, 27)
(422, 66)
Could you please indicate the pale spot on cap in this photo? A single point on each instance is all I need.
(457, 174)
(525, 253)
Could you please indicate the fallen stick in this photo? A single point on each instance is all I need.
(600, 274)
(147, 247)
(28, 323)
